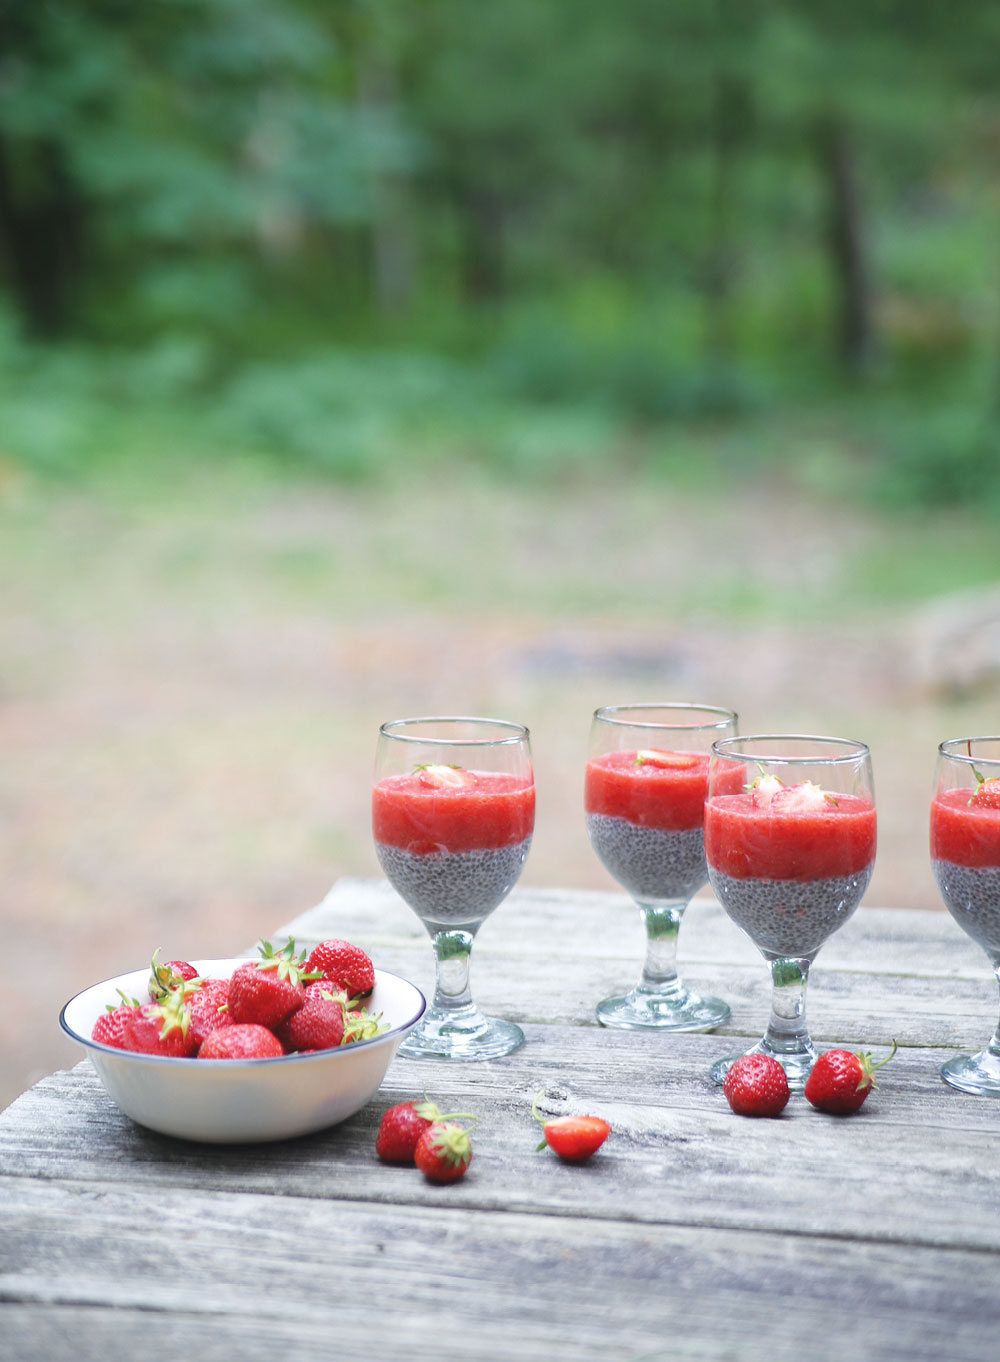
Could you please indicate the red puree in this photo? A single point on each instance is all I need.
(816, 844)
(492, 811)
(671, 798)
(964, 835)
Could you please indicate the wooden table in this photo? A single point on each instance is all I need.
(694, 1234)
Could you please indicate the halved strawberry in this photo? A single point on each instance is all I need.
(573, 1138)
(443, 777)
(987, 794)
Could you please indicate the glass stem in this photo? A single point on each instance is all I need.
(452, 952)
(787, 1033)
(662, 921)
(993, 1047)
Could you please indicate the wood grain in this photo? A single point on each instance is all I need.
(692, 1234)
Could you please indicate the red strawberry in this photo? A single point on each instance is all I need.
(160, 1029)
(756, 1085)
(443, 1152)
(666, 761)
(345, 965)
(109, 1029)
(573, 1138)
(268, 990)
(241, 1041)
(987, 794)
(209, 1008)
(402, 1126)
(317, 1025)
(840, 1080)
(168, 977)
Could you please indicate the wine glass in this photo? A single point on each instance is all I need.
(965, 858)
(453, 810)
(644, 797)
(789, 858)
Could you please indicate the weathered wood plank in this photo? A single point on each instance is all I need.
(595, 925)
(921, 1157)
(417, 1281)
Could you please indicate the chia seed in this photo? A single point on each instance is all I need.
(790, 917)
(453, 888)
(972, 896)
(648, 862)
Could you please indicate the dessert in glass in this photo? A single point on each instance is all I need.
(789, 858)
(965, 858)
(453, 810)
(644, 797)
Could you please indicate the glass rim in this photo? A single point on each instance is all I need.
(857, 749)
(608, 714)
(967, 758)
(513, 732)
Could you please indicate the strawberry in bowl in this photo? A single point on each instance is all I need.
(251, 1087)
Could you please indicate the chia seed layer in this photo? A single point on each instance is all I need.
(972, 896)
(648, 862)
(790, 917)
(453, 888)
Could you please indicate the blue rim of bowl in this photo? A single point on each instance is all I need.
(90, 1044)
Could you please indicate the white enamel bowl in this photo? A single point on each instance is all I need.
(228, 1101)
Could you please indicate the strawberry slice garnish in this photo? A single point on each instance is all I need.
(666, 761)
(443, 777)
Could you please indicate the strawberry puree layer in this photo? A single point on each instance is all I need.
(962, 833)
(746, 842)
(489, 812)
(668, 797)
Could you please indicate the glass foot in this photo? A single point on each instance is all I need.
(796, 1066)
(976, 1074)
(639, 1010)
(443, 1035)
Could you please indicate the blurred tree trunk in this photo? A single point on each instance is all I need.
(847, 244)
(731, 110)
(394, 255)
(481, 214)
(41, 233)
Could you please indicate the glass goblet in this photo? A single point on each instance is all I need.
(644, 797)
(965, 858)
(789, 858)
(453, 811)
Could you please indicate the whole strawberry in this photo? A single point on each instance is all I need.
(241, 1041)
(756, 1085)
(345, 965)
(317, 1025)
(401, 1127)
(168, 977)
(841, 1080)
(109, 1029)
(268, 990)
(160, 1029)
(443, 1152)
(209, 1008)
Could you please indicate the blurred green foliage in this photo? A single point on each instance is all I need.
(546, 235)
